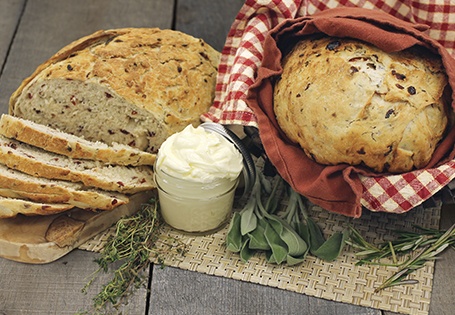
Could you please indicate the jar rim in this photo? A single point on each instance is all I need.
(249, 168)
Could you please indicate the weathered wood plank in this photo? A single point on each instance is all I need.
(176, 291)
(10, 12)
(49, 25)
(207, 19)
(442, 298)
(56, 288)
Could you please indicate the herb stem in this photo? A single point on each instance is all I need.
(392, 251)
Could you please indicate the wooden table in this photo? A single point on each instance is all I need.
(30, 32)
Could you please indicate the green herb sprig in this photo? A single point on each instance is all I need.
(134, 243)
(428, 242)
(285, 236)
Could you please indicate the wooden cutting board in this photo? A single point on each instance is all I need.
(43, 239)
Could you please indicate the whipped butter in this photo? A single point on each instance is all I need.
(196, 173)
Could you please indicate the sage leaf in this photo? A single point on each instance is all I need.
(273, 202)
(246, 253)
(316, 235)
(331, 249)
(264, 183)
(278, 248)
(295, 244)
(291, 260)
(304, 232)
(302, 229)
(290, 214)
(257, 237)
(234, 237)
(248, 218)
(270, 258)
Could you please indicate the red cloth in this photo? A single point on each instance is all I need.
(243, 49)
(242, 56)
(335, 188)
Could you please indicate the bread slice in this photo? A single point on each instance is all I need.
(63, 143)
(134, 86)
(35, 197)
(15, 184)
(40, 163)
(10, 207)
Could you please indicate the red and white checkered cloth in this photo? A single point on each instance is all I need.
(242, 55)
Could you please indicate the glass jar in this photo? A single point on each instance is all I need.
(195, 207)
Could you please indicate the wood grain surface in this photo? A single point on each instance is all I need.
(35, 29)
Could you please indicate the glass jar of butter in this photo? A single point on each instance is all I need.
(197, 172)
(195, 207)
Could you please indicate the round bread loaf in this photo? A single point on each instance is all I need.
(346, 101)
(133, 86)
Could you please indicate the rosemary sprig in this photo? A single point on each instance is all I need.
(428, 242)
(412, 264)
(135, 241)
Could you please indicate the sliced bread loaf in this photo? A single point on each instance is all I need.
(15, 184)
(134, 86)
(63, 143)
(10, 207)
(40, 163)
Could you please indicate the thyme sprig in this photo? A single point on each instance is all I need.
(135, 241)
(428, 243)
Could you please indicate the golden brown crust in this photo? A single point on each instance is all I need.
(345, 101)
(62, 54)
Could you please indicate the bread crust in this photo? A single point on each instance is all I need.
(133, 86)
(32, 196)
(346, 101)
(80, 199)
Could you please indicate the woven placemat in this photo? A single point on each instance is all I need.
(341, 280)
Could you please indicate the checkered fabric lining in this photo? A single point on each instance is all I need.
(242, 55)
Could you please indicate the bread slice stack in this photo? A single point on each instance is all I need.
(45, 171)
